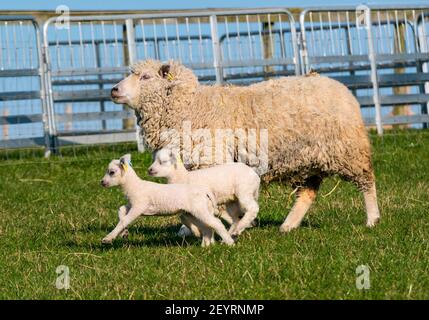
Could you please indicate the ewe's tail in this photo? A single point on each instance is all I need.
(213, 208)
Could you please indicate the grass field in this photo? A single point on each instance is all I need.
(53, 212)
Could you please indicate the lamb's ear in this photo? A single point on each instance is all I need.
(172, 156)
(164, 71)
(126, 158)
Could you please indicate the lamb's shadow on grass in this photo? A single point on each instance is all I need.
(139, 236)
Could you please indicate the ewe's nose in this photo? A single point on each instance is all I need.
(114, 92)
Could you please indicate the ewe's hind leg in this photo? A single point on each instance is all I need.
(304, 198)
(372, 212)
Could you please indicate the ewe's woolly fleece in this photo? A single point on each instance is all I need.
(314, 123)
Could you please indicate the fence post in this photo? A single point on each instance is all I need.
(132, 58)
(373, 62)
(51, 139)
(423, 67)
(217, 54)
(302, 43)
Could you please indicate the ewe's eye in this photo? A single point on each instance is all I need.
(144, 77)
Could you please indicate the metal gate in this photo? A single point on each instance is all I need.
(375, 51)
(23, 119)
(91, 53)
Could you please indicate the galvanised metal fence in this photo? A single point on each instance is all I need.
(23, 111)
(56, 92)
(380, 53)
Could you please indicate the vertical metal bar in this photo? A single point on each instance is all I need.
(179, 46)
(132, 56)
(260, 36)
(339, 31)
(167, 51)
(331, 34)
(250, 37)
(305, 65)
(82, 58)
(200, 41)
(424, 48)
(217, 55)
(322, 36)
(116, 49)
(100, 85)
(237, 26)
(283, 53)
(49, 115)
(189, 39)
(374, 76)
(228, 40)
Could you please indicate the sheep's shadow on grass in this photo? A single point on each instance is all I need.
(266, 223)
(140, 236)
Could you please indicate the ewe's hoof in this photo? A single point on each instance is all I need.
(284, 228)
(106, 241)
(372, 223)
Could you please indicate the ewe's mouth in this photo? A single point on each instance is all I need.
(117, 98)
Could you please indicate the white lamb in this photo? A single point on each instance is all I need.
(233, 184)
(196, 203)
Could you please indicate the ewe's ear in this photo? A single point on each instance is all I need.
(164, 71)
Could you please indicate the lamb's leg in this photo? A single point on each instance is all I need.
(251, 209)
(122, 212)
(233, 211)
(188, 228)
(217, 226)
(304, 198)
(132, 215)
(203, 230)
(372, 212)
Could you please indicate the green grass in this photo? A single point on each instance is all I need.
(53, 212)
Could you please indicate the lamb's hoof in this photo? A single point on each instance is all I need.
(229, 243)
(124, 235)
(234, 237)
(106, 241)
(184, 231)
(284, 228)
(373, 222)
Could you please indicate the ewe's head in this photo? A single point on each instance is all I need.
(116, 171)
(149, 79)
(166, 162)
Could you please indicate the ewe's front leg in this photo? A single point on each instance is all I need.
(132, 215)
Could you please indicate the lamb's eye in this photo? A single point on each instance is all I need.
(111, 173)
(144, 77)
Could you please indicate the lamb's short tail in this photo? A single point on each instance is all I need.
(213, 208)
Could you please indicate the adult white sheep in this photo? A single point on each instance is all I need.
(314, 125)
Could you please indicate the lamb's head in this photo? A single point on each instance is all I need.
(166, 163)
(152, 80)
(116, 172)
